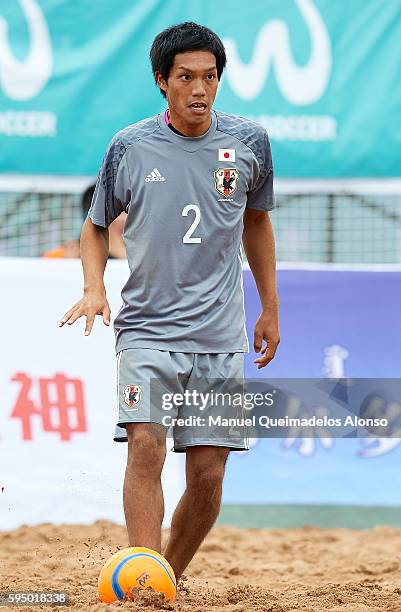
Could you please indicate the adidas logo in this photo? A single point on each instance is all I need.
(154, 176)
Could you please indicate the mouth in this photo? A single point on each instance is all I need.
(198, 107)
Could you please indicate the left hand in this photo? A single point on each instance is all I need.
(266, 328)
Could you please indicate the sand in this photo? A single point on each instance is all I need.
(241, 570)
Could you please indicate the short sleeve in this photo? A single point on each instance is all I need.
(261, 194)
(113, 189)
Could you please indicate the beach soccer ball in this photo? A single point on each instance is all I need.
(135, 568)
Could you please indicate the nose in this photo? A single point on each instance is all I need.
(198, 88)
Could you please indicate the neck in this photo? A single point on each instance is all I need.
(189, 129)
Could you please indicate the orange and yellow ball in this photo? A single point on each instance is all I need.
(135, 567)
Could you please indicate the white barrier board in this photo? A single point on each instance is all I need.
(58, 460)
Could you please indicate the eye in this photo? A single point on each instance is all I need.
(185, 77)
(210, 77)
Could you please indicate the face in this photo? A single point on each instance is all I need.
(191, 89)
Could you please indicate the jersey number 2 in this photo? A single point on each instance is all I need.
(188, 238)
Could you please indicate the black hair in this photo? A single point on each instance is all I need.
(181, 38)
(86, 199)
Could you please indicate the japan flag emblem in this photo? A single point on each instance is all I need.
(227, 155)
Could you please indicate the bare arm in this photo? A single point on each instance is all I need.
(116, 241)
(259, 246)
(94, 252)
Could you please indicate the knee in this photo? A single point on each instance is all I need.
(146, 451)
(206, 478)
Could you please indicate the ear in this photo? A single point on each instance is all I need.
(160, 81)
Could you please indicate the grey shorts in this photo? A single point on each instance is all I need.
(195, 396)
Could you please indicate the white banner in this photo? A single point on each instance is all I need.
(58, 460)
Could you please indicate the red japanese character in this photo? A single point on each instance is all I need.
(61, 406)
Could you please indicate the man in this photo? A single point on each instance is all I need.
(70, 249)
(194, 182)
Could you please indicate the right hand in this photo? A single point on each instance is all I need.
(93, 303)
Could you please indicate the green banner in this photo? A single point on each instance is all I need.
(323, 77)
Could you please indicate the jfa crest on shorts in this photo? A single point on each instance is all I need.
(132, 395)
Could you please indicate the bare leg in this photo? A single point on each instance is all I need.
(199, 506)
(143, 495)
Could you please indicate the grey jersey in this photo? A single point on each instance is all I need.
(185, 198)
